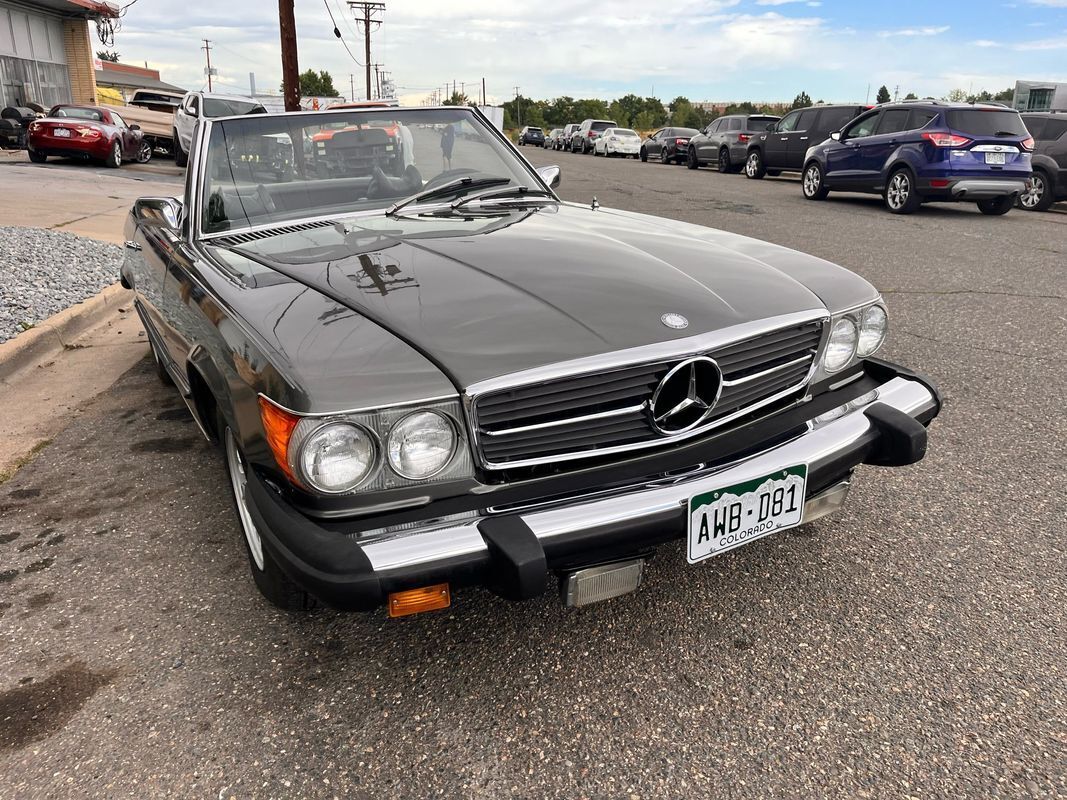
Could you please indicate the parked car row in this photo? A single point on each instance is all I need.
(910, 152)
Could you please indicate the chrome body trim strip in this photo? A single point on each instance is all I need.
(766, 372)
(995, 148)
(649, 499)
(660, 351)
(618, 412)
(362, 410)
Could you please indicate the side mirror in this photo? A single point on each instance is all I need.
(160, 212)
(135, 127)
(550, 175)
(836, 136)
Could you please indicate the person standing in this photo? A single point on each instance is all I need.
(448, 140)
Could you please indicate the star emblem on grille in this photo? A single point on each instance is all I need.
(686, 396)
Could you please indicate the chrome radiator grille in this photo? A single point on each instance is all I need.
(591, 414)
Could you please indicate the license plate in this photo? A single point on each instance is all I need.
(994, 158)
(731, 516)
(62, 133)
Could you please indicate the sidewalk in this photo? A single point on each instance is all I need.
(42, 394)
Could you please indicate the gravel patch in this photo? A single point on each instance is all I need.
(43, 272)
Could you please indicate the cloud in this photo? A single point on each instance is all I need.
(985, 43)
(928, 30)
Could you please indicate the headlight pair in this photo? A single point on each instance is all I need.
(340, 455)
(859, 333)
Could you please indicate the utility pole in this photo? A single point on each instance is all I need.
(290, 69)
(377, 82)
(518, 107)
(207, 53)
(371, 11)
(896, 92)
(483, 91)
(352, 86)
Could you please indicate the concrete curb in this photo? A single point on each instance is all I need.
(55, 333)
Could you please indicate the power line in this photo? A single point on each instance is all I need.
(337, 33)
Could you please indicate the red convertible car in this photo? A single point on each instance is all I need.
(87, 132)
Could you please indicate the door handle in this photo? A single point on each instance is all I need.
(803, 138)
(132, 245)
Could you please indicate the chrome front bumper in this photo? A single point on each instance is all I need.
(447, 541)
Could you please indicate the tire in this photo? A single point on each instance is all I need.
(724, 164)
(643, 154)
(37, 158)
(272, 583)
(691, 160)
(813, 182)
(663, 157)
(900, 195)
(181, 158)
(996, 206)
(1038, 195)
(144, 154)
(754, 168)
(114, 158)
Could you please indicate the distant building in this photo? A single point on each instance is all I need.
(128, 78)
(46, 55)
(1040, 96)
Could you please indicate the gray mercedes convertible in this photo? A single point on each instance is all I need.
(425, 371)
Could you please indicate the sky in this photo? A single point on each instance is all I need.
(716, 50)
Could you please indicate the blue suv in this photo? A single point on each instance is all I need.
(925, 151)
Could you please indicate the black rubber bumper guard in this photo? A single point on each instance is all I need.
(330, 564)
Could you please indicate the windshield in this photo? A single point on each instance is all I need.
(273, 168)
(979, 122)
(79, 113)
(213, 107)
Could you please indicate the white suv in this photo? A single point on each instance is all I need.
(200, 105)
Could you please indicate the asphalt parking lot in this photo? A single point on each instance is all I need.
(911, 646)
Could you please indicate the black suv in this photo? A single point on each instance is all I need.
(725, 141)
(532, 135)
(1049, 180)
(782, 148)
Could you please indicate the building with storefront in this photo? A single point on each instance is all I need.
(46, 53)
(1040, 96)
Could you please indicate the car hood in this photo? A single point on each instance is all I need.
(487, 296)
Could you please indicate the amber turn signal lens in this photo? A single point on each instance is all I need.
(278, 425)
(412, 601)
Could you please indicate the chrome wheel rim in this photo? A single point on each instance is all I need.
(117, 153)
(1035, 190)
(239, 481)
(751, 165)
(899, 189)
(144, 153)
(811, 181)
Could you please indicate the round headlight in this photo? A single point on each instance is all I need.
(421, 445)
(842, 345)
(874, 325)
(337, 457)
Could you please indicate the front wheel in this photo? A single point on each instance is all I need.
(691, 160)
(996, 206)
(900, 194)
(268, 576)
(814, 183)
(754, 166)
(114, 158)
(643, 155)
(1037, 196)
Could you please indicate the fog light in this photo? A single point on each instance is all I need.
(426, 598)
(602, 583)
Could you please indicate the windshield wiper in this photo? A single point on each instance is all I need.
(513, 193)
(445, 189)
